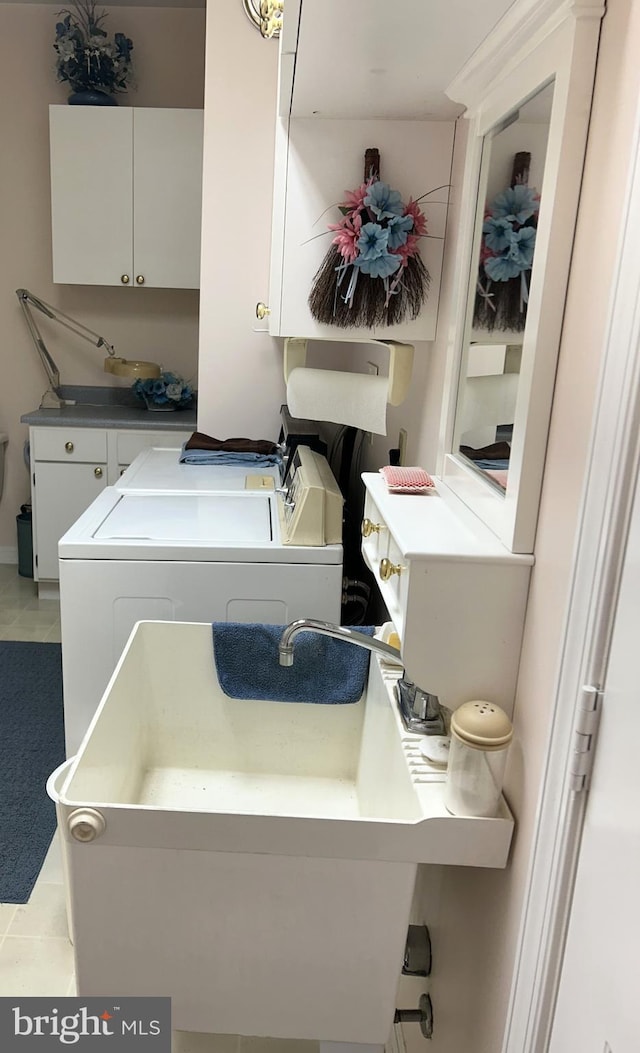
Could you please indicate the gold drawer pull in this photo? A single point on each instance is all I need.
(98, 473)
(262, 311)
(68, 447)
(140, 279)
(124, 278)
(388, 569)
(368, 528)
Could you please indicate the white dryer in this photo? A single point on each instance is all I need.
(242, 552)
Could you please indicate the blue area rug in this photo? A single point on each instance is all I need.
(31, 746)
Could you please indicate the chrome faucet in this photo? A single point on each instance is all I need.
(421, 711)
(338, 632)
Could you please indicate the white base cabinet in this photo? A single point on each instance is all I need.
(126, 196)
(69, 468)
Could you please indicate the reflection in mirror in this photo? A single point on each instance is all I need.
(513, 158)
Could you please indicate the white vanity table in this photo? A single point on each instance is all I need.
(455, 594)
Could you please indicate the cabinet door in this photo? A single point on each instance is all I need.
(315, 163)
(167, 190)
(91, 194)
(62, 492)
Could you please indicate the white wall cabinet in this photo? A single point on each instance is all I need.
(316, 161)
(126, 196)
(69, 468)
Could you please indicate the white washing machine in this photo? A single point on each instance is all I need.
(239, 551)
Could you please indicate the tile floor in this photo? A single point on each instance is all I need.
(22, 615)
(36, 957)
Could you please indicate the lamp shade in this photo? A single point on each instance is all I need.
(123, 367)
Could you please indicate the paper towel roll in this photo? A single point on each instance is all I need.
(355, 399)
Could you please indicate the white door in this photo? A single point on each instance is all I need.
(167, 190)
(596, 1009)
(91, 194)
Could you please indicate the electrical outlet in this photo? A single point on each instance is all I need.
(372, 369)
(402, 446)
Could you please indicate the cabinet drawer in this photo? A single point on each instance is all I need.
(392, 575)
(69, 444)
(375, 533)
(130, 444)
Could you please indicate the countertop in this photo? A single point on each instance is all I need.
(109, 408)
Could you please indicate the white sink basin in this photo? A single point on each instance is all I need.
(253, 852)
(168, 737)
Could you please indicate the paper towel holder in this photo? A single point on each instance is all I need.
(400, 364)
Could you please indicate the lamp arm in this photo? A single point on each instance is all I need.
(50, 367)
(27, 301)
(112, 364)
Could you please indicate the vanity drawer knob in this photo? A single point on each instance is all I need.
(140, 279)
(68, 447)
(124, 278)
(262, 311)
(388, 569)
(98, 473)
(368, 528)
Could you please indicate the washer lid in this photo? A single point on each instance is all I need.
(188, 517)
(159, 469)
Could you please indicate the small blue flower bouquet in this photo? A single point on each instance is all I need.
(167, 391)
(506, 259)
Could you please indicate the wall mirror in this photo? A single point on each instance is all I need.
(527, 137)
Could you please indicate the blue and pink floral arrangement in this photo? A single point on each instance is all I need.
(373, 274)
(506, 258)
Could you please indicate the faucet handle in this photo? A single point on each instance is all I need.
(421, 711)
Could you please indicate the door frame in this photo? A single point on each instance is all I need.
(601, 539)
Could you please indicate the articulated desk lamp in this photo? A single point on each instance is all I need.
(119, 367)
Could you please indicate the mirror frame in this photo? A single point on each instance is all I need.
(537, 42)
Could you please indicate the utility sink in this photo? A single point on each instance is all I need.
(256, 860)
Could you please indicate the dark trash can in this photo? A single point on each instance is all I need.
(25, 542)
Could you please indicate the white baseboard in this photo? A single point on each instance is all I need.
(8, 554)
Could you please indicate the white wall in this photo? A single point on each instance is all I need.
(161, 325)
(240, 375)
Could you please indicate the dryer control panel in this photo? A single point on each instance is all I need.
(310, 502)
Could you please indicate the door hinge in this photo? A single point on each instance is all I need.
(584, 737)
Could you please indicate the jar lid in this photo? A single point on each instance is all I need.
(482, 725)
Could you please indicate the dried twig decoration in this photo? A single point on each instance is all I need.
(506, 254)
(372, 274)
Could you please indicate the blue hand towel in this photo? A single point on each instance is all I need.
(228, 457)
(324, 670)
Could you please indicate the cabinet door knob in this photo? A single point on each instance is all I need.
(68, 447)
(388, 569)
(124, 278)
(368, 528)
(98, 473)
(262, 311)
(139, 279)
